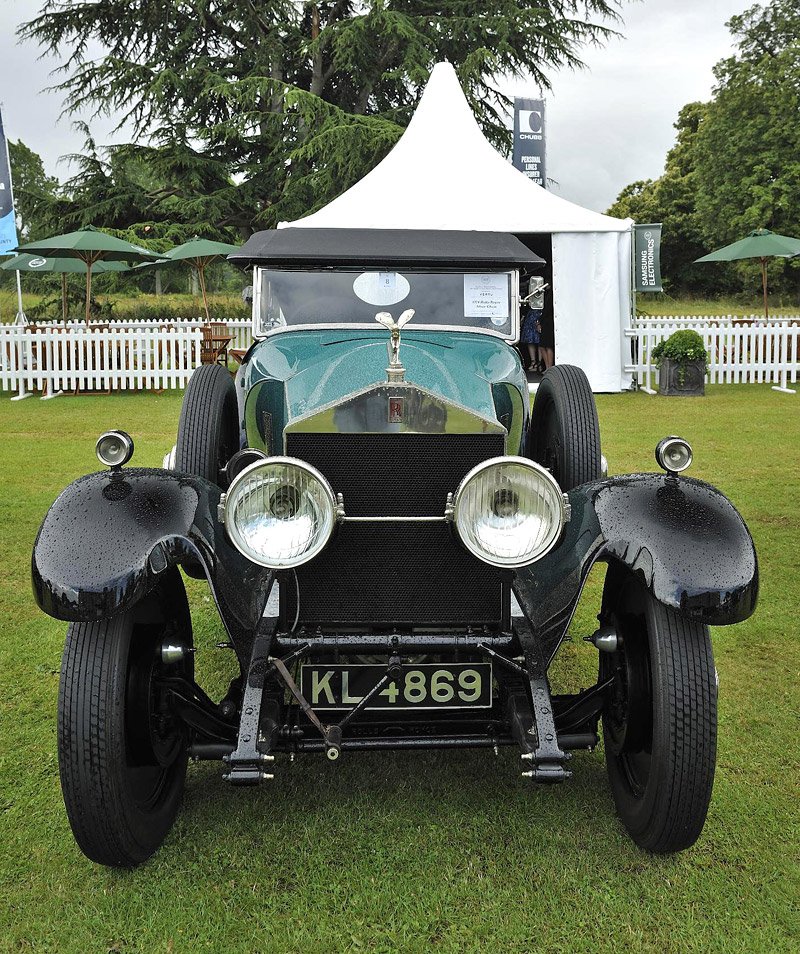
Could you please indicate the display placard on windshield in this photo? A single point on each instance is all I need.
(454, 300)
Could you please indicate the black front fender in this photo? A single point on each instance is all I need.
(108, 538)
(683, 538)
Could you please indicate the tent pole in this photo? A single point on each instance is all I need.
(64, 307)
(764, 285)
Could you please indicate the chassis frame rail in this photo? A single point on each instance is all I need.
(545, 727)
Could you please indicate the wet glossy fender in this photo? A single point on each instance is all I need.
(683, 538)
(108, 538)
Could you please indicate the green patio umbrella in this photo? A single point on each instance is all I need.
(90, 246)
(59, 266)
(200, 253)
(761, 244)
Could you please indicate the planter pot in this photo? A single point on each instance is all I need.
(681, 378)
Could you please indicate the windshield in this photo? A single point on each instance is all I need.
(471, 301)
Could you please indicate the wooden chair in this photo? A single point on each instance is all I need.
(214, 347)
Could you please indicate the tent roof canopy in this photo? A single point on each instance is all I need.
(377, 248)
(444, 174)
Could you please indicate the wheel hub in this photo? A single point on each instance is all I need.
(630, 718)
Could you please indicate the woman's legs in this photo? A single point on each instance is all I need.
(549, 357)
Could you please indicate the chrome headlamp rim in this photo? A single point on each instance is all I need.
(119, 435)
(663, 447)
(233, 531)
(558, 497)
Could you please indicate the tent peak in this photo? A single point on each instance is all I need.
(443, 174)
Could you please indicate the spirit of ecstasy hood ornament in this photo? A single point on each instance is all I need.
(396, 371)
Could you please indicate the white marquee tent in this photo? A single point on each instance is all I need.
(443, 174)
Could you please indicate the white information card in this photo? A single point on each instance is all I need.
(486, 296)
(381, 288)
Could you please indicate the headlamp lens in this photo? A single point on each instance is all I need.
(280, 512)
(509, 511)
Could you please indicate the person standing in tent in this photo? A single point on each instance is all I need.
(531, 331)
(547, 343)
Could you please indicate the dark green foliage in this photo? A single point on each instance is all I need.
(50, 307)
(231, 308)
(683, 345)
(162, 195)
(248, 113)
(34, 191)
(748, 171)
(671, 199)
(735, 165)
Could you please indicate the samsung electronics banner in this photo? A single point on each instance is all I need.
(647, 258)
(529, 139)
(8, 226)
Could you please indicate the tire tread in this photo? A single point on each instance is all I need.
(209, 401)
(109, 826)
(688, 671)
(669, 816)
(568, 388)
(83, 744)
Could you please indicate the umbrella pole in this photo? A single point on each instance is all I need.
(64, 296)
(20, 319)
(764, 285)
(202, 276)
(88, 286)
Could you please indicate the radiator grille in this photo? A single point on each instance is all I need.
(395, 574)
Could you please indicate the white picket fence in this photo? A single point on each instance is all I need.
(240, 330)
(142, 355)
(752, 350)
(116, 355)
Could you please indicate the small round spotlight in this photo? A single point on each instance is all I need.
(240, 460)
(114, 448)
(674, 454)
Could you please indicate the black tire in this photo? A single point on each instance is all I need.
(660, 720)
(208, 430)
(564, 433)
(121, 754)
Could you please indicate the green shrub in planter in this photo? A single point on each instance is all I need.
(682, 362)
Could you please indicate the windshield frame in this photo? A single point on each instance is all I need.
(510, 337)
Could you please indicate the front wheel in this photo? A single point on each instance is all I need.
(564, 431)
(660, 717)
(208, 429)
(121, 752)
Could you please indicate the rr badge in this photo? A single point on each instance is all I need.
(396, 410)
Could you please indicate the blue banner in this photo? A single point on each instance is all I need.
(529, 141)
(8, 224)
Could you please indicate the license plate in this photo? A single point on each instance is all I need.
(426, 686)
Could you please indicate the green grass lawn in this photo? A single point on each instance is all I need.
(448, 851)
(663, 304)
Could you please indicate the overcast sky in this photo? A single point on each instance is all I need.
(607, 125)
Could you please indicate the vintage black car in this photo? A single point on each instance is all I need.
(396, 546)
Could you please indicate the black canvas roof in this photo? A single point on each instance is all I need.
(421, 248)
